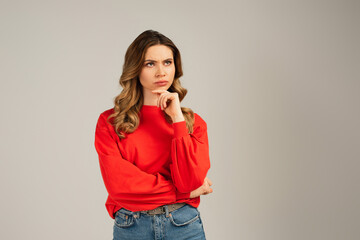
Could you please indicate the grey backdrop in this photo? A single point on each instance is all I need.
(276, 81)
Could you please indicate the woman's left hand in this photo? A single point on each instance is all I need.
(170, 103)
(204, 189)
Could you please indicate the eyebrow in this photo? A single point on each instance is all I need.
(150, 60)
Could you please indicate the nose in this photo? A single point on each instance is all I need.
(160, 71)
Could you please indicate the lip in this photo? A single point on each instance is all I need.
(162, 81)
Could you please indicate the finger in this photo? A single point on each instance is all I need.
(208, 191)
(166, 99)
(206, 182)
(158, 100)
(163, 96)
(209, 181)
(161, 100)
(159, 92)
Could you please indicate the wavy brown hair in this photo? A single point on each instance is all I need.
(128, 103)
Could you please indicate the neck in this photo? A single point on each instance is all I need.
(149, 97)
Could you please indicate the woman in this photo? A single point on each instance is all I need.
(153, 153)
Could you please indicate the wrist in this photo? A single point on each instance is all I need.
(178, 118)
(182, 196)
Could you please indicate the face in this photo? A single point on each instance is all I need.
(158, 69)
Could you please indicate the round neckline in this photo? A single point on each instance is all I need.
(150, 107)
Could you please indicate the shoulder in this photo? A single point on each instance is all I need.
(107, 112)
(199, 121)
(103, 117)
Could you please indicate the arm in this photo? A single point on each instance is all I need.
(189, 155)
(123, 180)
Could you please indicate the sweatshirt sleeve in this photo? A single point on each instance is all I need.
(189, 155)
(124, 181)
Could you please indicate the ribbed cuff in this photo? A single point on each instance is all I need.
(180, 129)
(180, 196)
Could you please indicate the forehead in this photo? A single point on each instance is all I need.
(158, 52)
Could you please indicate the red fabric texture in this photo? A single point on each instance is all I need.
(159, 163)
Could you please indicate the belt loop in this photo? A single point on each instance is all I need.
(166, 211)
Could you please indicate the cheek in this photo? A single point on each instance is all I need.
(172, 70)
(144, 75)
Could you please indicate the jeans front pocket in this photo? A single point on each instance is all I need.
(124, 218)
(184, 216)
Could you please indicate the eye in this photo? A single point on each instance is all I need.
(168, 62)
(149, 64)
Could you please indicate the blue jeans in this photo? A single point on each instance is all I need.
(182, 223)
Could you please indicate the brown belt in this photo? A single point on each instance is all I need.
(161, 209)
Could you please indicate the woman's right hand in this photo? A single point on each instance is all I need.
(203, 189)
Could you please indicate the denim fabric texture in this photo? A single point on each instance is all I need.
(183, 223)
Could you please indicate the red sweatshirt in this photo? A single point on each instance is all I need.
(159, 163)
